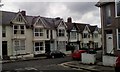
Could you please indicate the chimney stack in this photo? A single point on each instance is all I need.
(23, 13)
(69, 20)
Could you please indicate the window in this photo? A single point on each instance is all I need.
(117, 7)
(95, 45)
(39, 46)
(86, 35)
(85, 45)
(119, 39)
(19, 29)
(95, 35)
(3, 31)
(19, 19)
(73, 35)
(61, 32)
(38, 32)
(19, 45)
(47, 33)
(108, 14)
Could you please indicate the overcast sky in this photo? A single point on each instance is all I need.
(81, 12)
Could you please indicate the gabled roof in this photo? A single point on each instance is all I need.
(92, 28)
(7, 17)
(80, 26)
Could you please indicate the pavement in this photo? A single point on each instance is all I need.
(89, 67)
(22, 59)
(78, 65)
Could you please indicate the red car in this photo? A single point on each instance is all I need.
(77, 54)
(117, 65)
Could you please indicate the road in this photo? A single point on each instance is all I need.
(44, 65)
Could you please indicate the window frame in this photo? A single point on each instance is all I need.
(108, 15)
(73, 35)
(3, 31)
(116, 11)
(39, 46)
(61, 32)
(39, 32)
(86, 35)
(20, 45)
(19, 30)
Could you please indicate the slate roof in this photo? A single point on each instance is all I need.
(81, 26)
(7, 17)
(50, 23)
(92, 28)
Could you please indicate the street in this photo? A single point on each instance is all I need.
(44, 65)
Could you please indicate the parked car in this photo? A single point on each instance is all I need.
(77, 54)
(117, 65)
(55, 54)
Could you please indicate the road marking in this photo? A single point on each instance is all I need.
(30, 68)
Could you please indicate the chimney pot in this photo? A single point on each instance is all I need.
(69, 20)
(23, 13)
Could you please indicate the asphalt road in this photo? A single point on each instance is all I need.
(44, 65)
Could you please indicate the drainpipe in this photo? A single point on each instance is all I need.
(0, 42)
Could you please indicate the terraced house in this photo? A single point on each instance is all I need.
(83, 35)
(33, 35)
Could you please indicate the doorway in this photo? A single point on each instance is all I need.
(4, 49)
(109, 43)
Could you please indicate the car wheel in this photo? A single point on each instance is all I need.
(53, 56)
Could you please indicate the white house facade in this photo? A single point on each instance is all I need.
(24, 35)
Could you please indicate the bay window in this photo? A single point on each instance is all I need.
(73, 35)
(19, 45)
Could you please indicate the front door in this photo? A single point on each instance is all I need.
(4, 48)
(109, 43)
(47, 46)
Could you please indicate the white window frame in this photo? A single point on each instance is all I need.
(3, 31)
(39, 46)
(20, 45)
(116, 1)
(85, 45)
(95, 44)
(95, 35)
(39, 32)
(61, 32)
(118, 33)
(19, 19)
(19, 30)
(86, 36)
(73, 35)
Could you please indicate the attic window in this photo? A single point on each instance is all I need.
(19, 19)
(86, 35)
(61, 32)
